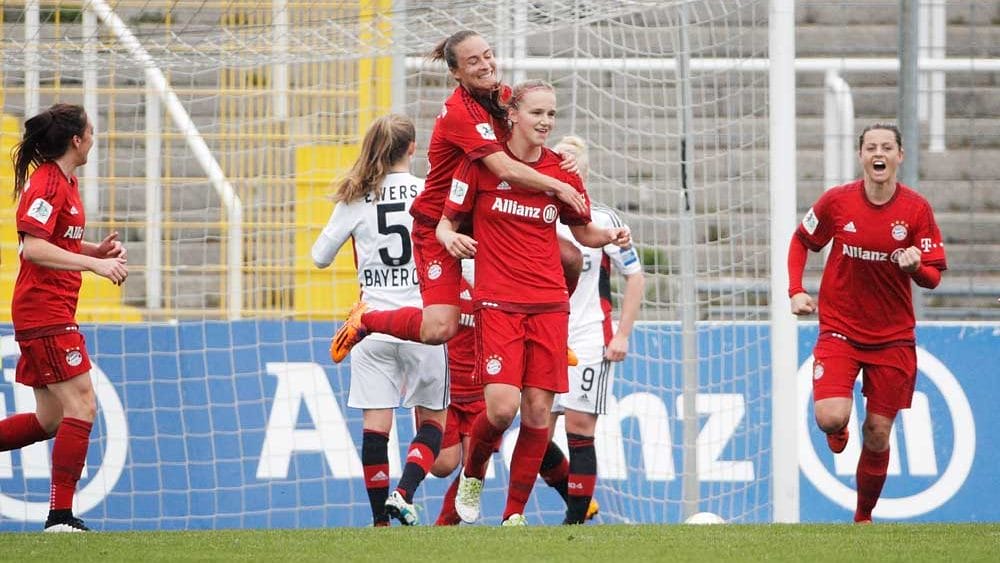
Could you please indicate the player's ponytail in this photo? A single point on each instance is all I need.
(386, 143)
(47, 137)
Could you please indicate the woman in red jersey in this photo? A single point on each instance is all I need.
(466, 400)
(520, 298)
(54, 360)
(884, 236)
(473, 125)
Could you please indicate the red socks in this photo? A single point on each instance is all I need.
(20, 430)
(872, 467)
(402, 323)
(69, 454)
(483, 441)
(527, 459)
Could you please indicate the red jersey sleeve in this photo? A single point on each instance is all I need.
(40, 203)
(467, 125)
(462, 195)
(929, 241)
(817, 227)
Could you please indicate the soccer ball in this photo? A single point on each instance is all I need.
(705, 518)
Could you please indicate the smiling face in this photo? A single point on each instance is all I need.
(534, 117)
(476, 69)
(880, 156)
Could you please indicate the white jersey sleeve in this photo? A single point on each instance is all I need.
(586, 311)
(383, 251)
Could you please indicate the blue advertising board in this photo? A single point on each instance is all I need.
(245, 425)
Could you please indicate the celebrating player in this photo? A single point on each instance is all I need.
(374, 200)
(597, 343)
(884, 235)
(54, 360)
(473, 125)
(466, 399)
(520, 297)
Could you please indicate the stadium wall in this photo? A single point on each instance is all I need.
(244, 425)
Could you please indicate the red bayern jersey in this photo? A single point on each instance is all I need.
(462, 354)
(463, 129)
(49, 208)
(864, 295)
(517, 262)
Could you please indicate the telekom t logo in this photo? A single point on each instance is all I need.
(918, 438)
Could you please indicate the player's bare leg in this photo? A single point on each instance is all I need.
(832, 416)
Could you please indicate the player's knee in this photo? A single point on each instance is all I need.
(502, 416)
(876, 436)
(830, 423)
(442, 468)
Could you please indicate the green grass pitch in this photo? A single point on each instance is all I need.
(579, 544)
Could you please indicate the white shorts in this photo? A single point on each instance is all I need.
(386, 375)
(590, 384)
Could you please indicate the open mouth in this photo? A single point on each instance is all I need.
(878, 165)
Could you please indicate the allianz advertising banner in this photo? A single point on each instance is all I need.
(245, 425)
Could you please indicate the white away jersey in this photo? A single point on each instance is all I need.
(591, 302)
(382, 248)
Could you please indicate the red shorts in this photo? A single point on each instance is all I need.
(460, 417)
(439, 273)
(523, 350)
(890, 374)
(51, 359)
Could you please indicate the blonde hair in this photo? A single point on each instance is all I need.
(522, 88)
(578, 147)
(386, 142)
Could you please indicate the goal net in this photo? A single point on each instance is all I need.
(218, 405)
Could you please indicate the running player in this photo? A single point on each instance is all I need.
(54, 360)
(373, 204)
(884, 237)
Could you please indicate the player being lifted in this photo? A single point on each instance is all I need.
(54, 360)
(373, 204)
(599, 344)
(520, 297)
(473, 125)
(884, 236)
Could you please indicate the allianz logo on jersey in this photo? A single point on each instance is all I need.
(31, 476)
(925, 470)
(865, 254)
(513, 207)
(305, 386)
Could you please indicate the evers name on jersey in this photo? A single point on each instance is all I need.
(391, 193)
